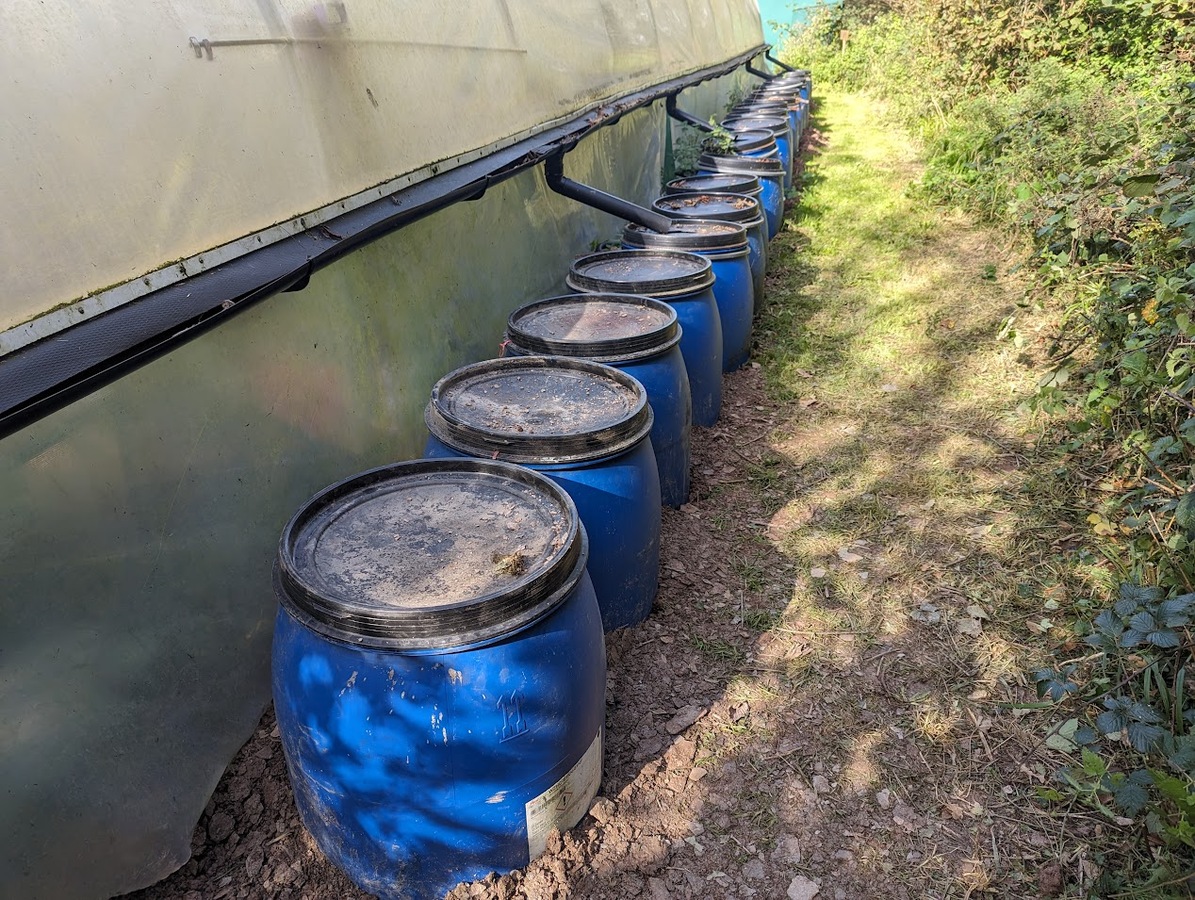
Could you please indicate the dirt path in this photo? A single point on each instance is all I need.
(823, 702)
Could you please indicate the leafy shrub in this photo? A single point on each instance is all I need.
(1074, 120)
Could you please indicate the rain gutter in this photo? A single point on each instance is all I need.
(48, 374)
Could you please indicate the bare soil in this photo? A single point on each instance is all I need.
(743, 760)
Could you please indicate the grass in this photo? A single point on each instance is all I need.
(904, 470)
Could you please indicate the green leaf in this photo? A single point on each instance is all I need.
(1164, 639)
(1144, 737)
(1132, 638)
(1125, 608)
(1111, 723)
(1093, 765)
(1184, 513)
(1176, 611)
(1143, 622)
(1182, 757)
(1143, 712)
(1139, 593)
(1135, 361)
(1054, 685)
(1176, 790)
(1140, 185)
(1109, 622)
(1062, 739)
(1130, 797)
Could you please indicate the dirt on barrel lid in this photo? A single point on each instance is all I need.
(632, 267)
(693, 226)
(706, 202)
(585, 319)
(711, 183)
(431, 541)
(538, 401)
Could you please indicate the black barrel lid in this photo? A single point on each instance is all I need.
(539, 409)
(727, 184)
(786, 90)
(601, 327)
(746, 141)
(759, 166)
(764, 102)
(709, 205)
(689, 234)
(756, 121)
(656, 273)
(765, 108)
(430, 554)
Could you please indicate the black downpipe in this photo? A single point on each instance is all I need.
(785, 66)
(681, 116)
(758, 73)
(608, 203)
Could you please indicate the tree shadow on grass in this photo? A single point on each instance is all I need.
(843, 606)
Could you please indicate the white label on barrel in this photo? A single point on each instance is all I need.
(564, 803)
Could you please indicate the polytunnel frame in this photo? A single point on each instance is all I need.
(43, 377)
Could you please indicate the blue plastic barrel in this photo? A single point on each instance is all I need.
(685, 282)
(723, 207)
(802, 79)
(639, 336)
(757, 229)
(793, 89)
(780, 128)
(584, 425)
(769, 171)
(724, 183)
(755, 143)
(724, 244)
(774, 104)
(438, 672)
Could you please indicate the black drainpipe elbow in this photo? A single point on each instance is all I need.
(608, 203)
(781, 63)
(758, 73)
(681, 116)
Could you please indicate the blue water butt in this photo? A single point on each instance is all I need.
(803, 80)
(769, 171)
(724, 244)
(637, 335)
(793, 88)
(757, 228)
(722, 183)
(781, 131)
(723, 207)
(774, 104)
(685, 282)
(587, 427)
(438, 672)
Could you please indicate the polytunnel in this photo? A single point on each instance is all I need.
(241, 242)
